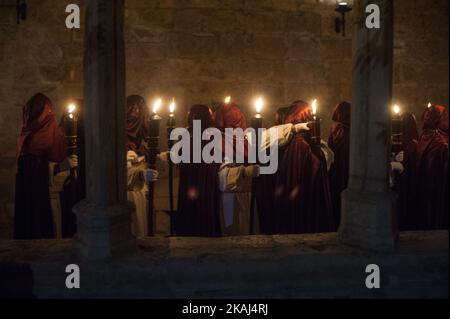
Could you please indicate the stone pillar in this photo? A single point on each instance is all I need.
(368, 213)
(103, 218)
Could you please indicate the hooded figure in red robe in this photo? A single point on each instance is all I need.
(406, 183)
(230, 116)
(41, 141)
(198, 195)
(137, 130)
(339, 142)
(302, 195)
(432, 170)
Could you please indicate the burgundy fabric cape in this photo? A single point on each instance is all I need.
(302, 196)
(230, 116)
(339, 142)
(137, 130)
(265, 190)
(406, 184)
(432, 170)
(40, 141)
(198, 195)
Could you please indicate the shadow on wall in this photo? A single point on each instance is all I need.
(16, 281)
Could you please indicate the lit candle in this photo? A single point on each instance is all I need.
(315, 124)
(257, 120)
(227, 100)
(171, 120)
(70, 128)
(396, 129)
(429, 105)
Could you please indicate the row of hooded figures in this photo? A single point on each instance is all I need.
(218, 199)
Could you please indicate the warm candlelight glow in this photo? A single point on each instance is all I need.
(157, 105)
(228, 100)
(429, 104)
(71, 109)
(172, 106)
(259, 105)
(314, 107)
(396, 109)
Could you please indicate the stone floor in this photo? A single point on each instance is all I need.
(300, 266)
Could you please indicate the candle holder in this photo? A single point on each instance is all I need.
(171, 122)
(71, 132)
(396, 133)
(315, 130)
(153, 150)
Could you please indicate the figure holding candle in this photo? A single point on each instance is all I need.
(138, 173)
(235, 179)
(41, 141)
(302, 195)
(432, 170)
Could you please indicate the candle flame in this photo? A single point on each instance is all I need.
(157, 105)
(172, 106)
(227, 99)
(396, 109)
(314, 107)
(429, 105)
(259, 105)
(71, 108)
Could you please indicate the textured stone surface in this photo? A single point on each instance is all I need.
(200, 50)
(305, 266)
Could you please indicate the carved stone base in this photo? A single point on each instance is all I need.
(102, 232)
(369, 220)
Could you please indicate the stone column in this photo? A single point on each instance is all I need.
(368, 213)
(103, 218)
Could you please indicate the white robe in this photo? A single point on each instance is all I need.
(137, 194)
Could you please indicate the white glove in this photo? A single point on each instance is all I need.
(400, 157)
(301, 127)
(397, 167)
(164, 156)
(73, 161)
(151, 175)
(131, 156)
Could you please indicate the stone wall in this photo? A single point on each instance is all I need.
(202, 50)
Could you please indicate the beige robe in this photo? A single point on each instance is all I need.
(137, 195)
(235, 186)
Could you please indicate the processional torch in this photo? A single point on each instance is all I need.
(171, 122)
(396, 131)
(315, 125)
(153, 150)
(256, 123)
(71, 134)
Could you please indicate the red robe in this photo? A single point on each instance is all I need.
(432, 170)
(41, 140)
(339, 143)
(137, 129)
(265, 190)
(198, 195)
(302, 196)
